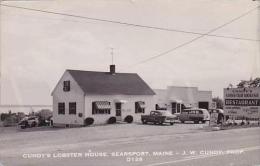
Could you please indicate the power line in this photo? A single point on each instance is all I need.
(194, 39)
(150, 27)
(128, 24)
(102, 20)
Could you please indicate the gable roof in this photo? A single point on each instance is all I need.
(104, 83)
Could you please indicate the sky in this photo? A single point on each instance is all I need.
(36, 48)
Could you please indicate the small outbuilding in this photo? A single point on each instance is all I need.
(81, 96)
(177, 98)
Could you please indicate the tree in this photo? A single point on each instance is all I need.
(255, 82)
(219, 102)
(249, 84)
(44, 114)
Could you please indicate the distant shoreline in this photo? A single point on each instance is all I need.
(25, 110)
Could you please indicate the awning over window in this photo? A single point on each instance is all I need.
(141, 104)
(103, 105)
(120, 101)
(162, 105)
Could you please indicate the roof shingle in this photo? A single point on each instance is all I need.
(104, 83)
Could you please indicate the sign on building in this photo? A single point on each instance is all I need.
(242, 102)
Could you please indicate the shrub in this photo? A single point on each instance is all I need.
(10, 121)
(5, 116)
(111, 120)
(44, 114)
(89, 121)
(129, 119)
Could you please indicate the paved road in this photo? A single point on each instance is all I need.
(181, 145)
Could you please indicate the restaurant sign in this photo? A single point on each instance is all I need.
(242, 102)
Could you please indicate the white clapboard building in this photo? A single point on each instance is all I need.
(100, 95)
(176, 98)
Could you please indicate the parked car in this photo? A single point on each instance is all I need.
(159, 117)
(31, 121)
(194, 114)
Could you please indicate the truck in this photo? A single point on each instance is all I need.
(159, 117)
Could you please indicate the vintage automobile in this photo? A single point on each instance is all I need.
(194, 114)
(159, 117)
(29, 121)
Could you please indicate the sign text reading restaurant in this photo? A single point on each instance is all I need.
(243, 102)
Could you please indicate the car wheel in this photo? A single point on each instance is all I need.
(129, 119)
(33, 124)
(203, 121)
(144, 121)
(171, 123)
(26, 124)
(23, 127)
(196, 122)
(182, 121)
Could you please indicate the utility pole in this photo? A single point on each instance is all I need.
(0, 74)
(0, 69)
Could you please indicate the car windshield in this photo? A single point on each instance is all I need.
(166, 113)
(25, 118)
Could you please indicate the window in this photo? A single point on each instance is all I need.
(192, 112)
(80, 114)
(185, 111)
(61, 108)
(174, 108)
(32, 118)
(66, 86)
(182, 107)
(178, 108)
(160, 107)
(166, 113)
(101, 107)
(200, 112)
(72, 108)
(139, 107)
(154, 113)
(118, 109)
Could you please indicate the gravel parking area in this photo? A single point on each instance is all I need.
(13, 138)
(14, 143)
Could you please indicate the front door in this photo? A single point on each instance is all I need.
(118, 111)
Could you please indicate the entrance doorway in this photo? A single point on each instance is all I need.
(118, 111)
(176, 108)
(204, 105)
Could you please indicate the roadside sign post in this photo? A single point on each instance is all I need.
(241, 103)
(213, 118)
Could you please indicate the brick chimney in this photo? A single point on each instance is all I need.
(112, 69)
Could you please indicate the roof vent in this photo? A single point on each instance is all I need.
(112, 69)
